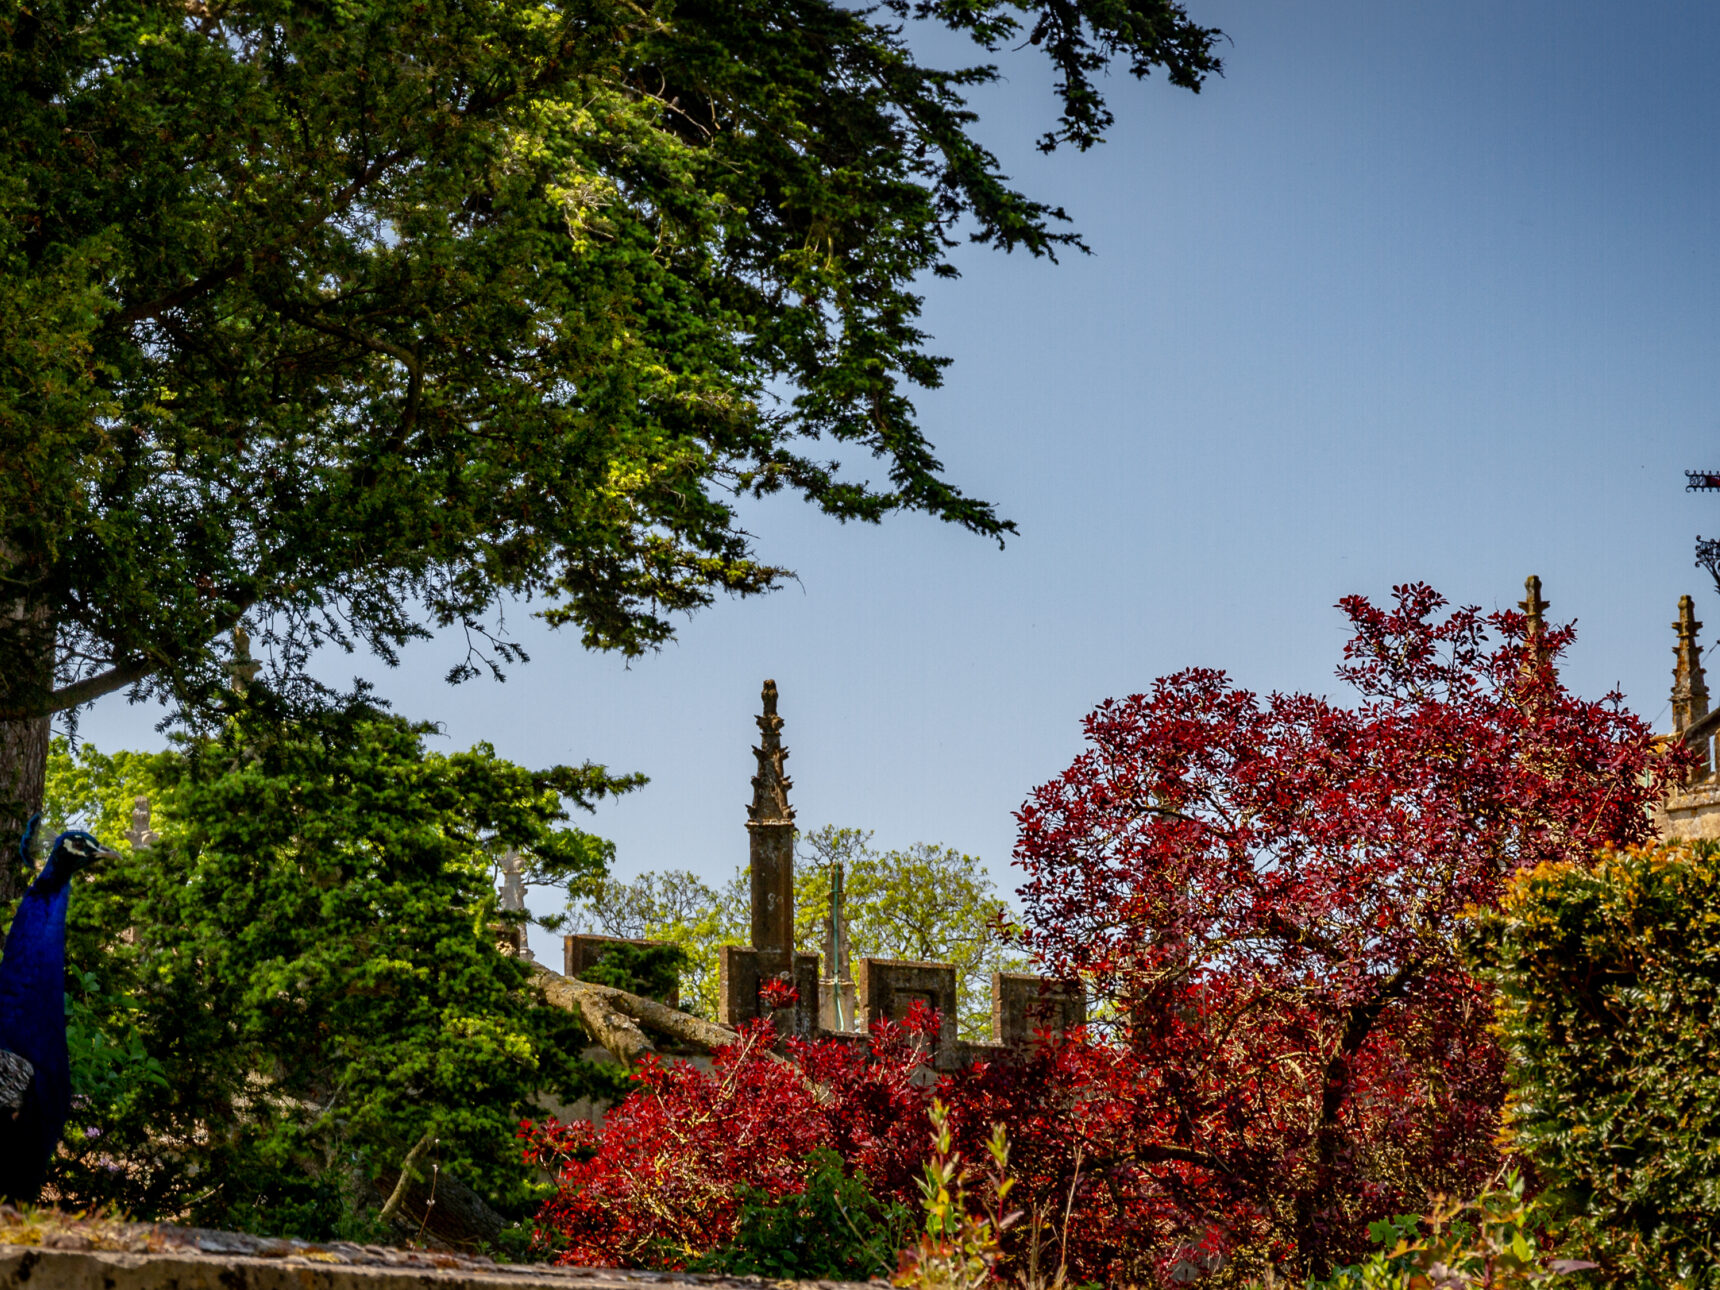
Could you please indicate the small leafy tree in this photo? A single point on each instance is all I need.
(1267, 891)
(301, 979)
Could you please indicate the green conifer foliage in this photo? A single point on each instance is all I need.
(301, 978)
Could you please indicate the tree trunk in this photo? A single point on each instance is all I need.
(26, 681)
(23, 779)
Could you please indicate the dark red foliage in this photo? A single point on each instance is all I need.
(778, 994)
(1266, 893)
(1264, 896)
(662, 1183)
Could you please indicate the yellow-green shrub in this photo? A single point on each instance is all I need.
(1607, 978)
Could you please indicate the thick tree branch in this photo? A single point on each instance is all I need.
(1358, 1025)
(1158, 1154)
(120, 675)
(614, 1017)
(94, 687)
(396, 1198)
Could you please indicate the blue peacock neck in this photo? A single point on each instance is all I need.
(34, 968)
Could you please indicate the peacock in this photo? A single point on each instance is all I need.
(35, 1070)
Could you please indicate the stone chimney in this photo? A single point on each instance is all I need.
(1689, 686)
(770, 837)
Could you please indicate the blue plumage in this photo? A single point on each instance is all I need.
(35, 1071)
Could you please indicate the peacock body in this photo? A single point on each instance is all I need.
(35, 1068)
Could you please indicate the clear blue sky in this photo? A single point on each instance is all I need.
(1414, 292)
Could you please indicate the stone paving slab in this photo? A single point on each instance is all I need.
(52, 1252)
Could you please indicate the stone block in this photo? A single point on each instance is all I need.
(740, 972)
(74, 1255)
(1023, 1004)
(890, 987)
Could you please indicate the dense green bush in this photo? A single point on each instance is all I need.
(301, 978)
(834, 1230)
(1608, 978)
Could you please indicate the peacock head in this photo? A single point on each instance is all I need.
(74, 850)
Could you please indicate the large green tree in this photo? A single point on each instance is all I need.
(347, 321)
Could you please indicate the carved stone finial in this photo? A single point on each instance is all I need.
(1689, 686)
(243, 667)
(513, 894)
(140, 835)
(1533, 607)
(512, 899)
(770, 836)
(771, 784)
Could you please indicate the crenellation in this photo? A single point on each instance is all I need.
(1025, 1006)
(844, 1004)
(889, 989)
(741, 975)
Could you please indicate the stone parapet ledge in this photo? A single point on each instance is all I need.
(48, 1251)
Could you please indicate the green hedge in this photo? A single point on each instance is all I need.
(1607, 980)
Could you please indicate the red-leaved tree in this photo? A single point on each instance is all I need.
(1266, 893)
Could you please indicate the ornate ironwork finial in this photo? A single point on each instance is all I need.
(1689, 686)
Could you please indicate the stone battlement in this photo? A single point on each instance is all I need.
(839, 1004)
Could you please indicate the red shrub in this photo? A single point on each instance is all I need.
(661, 1184)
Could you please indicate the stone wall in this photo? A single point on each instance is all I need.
(1022, 1005)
